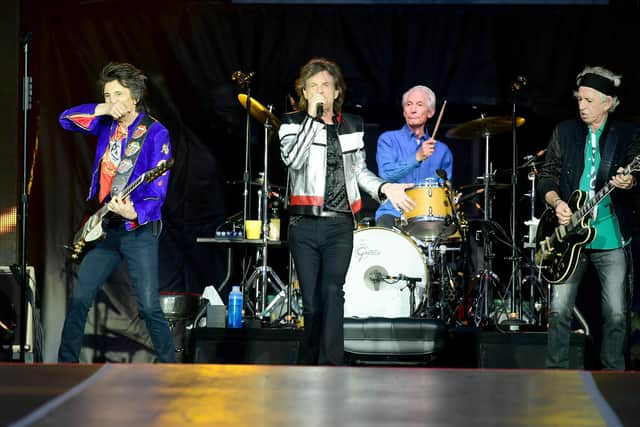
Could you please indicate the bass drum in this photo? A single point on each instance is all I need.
(377, 253)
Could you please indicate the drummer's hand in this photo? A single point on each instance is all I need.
(426, 149)
(398, 198)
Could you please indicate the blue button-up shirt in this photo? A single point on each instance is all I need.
(396, 157)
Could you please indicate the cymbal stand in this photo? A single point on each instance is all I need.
(446, 279)
(487, 276)
(264, 275)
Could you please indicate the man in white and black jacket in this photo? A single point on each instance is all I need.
(324, 151)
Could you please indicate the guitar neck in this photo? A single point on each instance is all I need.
(593, 202)
(129, 188)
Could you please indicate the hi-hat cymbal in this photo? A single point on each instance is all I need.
(259, 111)
(480, 128)
(492, 185)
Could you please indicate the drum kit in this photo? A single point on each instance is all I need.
(422, 267)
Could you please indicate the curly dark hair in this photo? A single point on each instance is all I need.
(313, 67)
(128, 76)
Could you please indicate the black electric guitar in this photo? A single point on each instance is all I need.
(92, 230)
(558, 247)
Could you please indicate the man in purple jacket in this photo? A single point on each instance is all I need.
(130, 142)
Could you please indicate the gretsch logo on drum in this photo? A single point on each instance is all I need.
(362, 251)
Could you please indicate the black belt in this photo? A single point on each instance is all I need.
(114, 222)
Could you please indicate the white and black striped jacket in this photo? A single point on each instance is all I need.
(303, 148)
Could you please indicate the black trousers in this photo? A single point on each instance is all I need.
(321, 249)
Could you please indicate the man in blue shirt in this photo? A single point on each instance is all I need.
(409, 154)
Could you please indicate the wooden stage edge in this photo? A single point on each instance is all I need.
(239, 395)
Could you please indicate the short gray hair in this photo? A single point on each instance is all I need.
(431, 96)
(607, 74)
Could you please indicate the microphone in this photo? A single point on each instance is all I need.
(519, 83)
(531, 157)
(319, 110)
(403, 277)
(376, 277)
(442, 174)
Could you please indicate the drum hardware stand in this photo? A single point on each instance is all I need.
(411, 284)
(446, 278)
(487, 276)
(264, 275)
(287, 294)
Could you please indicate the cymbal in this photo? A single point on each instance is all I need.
(259, 111)
(479, 128)
(493, 185)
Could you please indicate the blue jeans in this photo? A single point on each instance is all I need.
(139, 248)
(321, 249)
(611, 266)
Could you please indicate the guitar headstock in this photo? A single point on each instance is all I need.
(162, 167)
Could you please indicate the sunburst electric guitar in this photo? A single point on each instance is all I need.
(558, 247)
(92, 229)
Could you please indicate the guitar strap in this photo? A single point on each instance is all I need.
(608, 147)
(131, 153)
(592, 172)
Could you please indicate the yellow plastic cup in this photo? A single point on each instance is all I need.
(252, 228)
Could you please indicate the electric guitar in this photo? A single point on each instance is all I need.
(92, 229)
(558, 247)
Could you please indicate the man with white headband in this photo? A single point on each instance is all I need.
(586, 155)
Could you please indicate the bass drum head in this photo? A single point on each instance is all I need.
(379, 252)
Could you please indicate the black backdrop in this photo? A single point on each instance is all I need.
(468, 54)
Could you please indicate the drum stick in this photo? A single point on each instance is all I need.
(435, 129)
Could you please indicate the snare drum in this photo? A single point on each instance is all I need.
(432, 216)
(377, 253)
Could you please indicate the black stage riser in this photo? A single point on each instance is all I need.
(241, 346)
(470, 348)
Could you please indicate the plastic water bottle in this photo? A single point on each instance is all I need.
(234, 319)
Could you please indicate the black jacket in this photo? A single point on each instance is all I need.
(564, 163)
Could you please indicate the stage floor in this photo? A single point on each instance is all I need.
(241, 395)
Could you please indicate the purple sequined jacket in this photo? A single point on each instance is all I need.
(148, 197)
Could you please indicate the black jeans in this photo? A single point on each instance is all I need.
(321, 249)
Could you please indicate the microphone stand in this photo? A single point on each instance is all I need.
(21, 271)
(515, 315)
(244, 81)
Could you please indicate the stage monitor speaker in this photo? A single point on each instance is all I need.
(523, 350)
(247, 345)
(10, 312)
